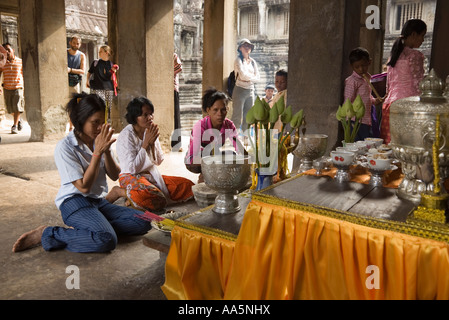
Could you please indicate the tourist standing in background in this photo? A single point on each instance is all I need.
(247, 74)
(76, 61)
(75, 65)
(3, 56)
(100, 77)
(405, 70)
(13, 87)
(176, 138)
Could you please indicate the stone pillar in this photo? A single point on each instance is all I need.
(373, 39)
(440, 48)
(141, 32)
(43, 42)
(262, 18)
(220, 42)
(322, 33)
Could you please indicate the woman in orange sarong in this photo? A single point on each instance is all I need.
(139, 152)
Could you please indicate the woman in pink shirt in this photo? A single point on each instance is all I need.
(405, 70)
(211, 132)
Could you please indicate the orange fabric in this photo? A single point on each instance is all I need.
(197, 266)
(283, 253)
(286, 253)
(392, 179)
(146, 196)
(180, 189)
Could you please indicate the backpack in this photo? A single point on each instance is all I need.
(95, 62)
(231, 83)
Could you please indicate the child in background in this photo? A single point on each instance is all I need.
(269, 92)
(405, 70)
(280, 81)
(357, 84)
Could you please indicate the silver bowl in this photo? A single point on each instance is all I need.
(226, 175)
(310, 147)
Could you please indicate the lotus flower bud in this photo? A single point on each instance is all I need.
(286, 117)
(280, 105)
(274, 115)
(349, 109)
(359, 108)
(341, 113)
(297, 119)
(260, 113)
(250, 119)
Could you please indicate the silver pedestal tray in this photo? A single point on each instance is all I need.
(377, 179)
(342, 174)
(310, 147)
(226, 175)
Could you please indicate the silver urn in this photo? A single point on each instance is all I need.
(413, 130)
(226, 174)
(310, 147)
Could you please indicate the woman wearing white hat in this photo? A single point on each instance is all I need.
(246, 73)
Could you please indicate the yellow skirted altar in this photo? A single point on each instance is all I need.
(291, 250)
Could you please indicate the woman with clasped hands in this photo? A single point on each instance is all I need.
(140, 153)
(83, 159)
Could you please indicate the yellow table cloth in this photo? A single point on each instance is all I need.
(289, 251)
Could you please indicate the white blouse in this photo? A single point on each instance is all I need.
(134, 159)
(247, 73)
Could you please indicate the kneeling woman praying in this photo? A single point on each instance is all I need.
(84, 159)
(139, 152)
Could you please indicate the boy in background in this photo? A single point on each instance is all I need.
(357, 84)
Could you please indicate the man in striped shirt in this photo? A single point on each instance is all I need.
(13, 86)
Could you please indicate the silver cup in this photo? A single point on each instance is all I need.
(310, 147)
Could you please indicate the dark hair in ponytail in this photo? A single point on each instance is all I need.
(81, 107)
(413, 25)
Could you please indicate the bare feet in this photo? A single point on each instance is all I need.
(29, 240)
(115, 193)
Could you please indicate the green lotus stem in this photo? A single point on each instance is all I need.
(284, 138)
(267, 140)
(355, 130)
(257, 145)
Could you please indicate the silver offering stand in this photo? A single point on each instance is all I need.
(226, 175)
(310, 147)
(377, 175)
(342, 174)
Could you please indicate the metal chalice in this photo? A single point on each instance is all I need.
(310, 147)
(226, 174)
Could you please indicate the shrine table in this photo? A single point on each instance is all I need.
(311, 238)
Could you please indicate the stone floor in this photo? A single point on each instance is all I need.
(29, 182)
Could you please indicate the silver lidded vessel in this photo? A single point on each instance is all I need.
(413, 129)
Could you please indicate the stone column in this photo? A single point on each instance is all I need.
(440, 48)
(220, 42)
(141, 32)
(322, 33)
(373, 39)
(43, 42)
(262, 18)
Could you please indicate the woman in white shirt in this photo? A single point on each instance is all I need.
(246, 73)
(139, 152)
(84, 159)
